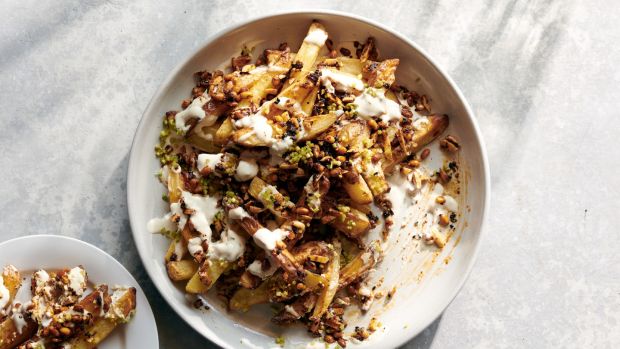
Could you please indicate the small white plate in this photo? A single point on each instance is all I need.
(30, 253)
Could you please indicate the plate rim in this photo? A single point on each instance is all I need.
(83, 244)
(486, 176)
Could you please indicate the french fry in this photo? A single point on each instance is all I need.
(223, 133)
(329, 291)
(10, 335)
(354, 136)
(358, 190)
(268, 291)
(269, 196)
(436, 126)
(172, 249)
(244, 298)
(308, 52)
(380, 74)
(350, 221)
(120, 312)
(206, 276)
(315, 125)
(351, 66)
(308, 103)
(299, 90)
(175, 186)
(181, 270)
(357, 267)
(375, 179)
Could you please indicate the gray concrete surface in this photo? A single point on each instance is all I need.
(542, 77)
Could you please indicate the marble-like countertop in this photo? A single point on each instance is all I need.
(541, 76)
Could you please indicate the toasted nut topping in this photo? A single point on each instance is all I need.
(444, 220)
(440, 200)
(425, 153)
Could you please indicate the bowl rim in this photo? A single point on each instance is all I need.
(152, 272)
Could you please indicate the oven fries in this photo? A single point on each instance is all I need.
(277, 171)
(58, 316)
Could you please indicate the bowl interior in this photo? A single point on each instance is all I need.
(419, 299)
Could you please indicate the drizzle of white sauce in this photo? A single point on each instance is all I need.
(77, 280)
(256, 268)
(18, 318)
(316, 37)
(289, 309)
(334, 80)
(259, 125)
(194, 111)
(204, 210)
(157, 224)
(237, 213)
(268, 239)
(209, 161)
(246, 169)
(285, 103)
(164, 174)
(230, 246)
(373, 103)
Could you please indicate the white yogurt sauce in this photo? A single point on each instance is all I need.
(334, 80)
(246, 169)
(267, 239)
(256, 268)
(372, 102)
(205, 209)
(230, 246)
(18, 319)
(194, 245)
(77, 280)
(237, 213)
(316, 37)
(194, 111)
(209, 161)
(159, 224)
(259, 125)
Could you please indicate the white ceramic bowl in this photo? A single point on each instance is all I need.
(33, 252)
(417, 302)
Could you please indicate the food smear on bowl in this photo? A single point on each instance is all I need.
(287, 174)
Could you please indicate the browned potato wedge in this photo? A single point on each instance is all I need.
(380, 74)
(315, 125)
(354, 136)
(120, 312)
(358, 190)
(10, 336)
(350, 221)
(437, 125)
(181, 270)
(206, 276)
(329, 291)
(223, 133)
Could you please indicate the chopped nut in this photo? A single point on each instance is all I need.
(450, 144)
(440, 200)
(414, 163)
(444, 220)
(425, 153)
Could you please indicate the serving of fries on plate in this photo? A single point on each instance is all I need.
(60, 309)
(279, 179)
